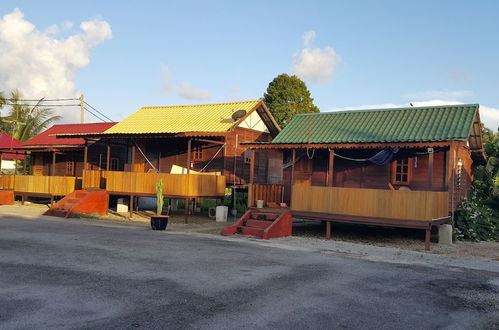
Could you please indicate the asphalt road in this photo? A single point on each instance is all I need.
(79, 274)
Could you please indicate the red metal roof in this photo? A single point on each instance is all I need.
(8, 142)
(48, 137)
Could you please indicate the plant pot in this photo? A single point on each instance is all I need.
(159, 222)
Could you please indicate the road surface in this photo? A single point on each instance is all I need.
(66, 274)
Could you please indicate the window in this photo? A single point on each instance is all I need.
(70, 167)
(197, 154)
(247, 156)
(401, 173)
(115, 163)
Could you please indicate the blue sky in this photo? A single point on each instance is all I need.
(351, 54)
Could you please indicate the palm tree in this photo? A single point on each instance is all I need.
(25, 121)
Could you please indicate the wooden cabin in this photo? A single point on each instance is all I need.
(403, 167)
(193, 139)
(9, 153)
(55, 165)
(198, 142)
(51, 156)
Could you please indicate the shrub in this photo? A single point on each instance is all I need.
(476, 221)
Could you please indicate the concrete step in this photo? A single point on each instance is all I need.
(264, 216)
(58, 212)
(258, 223)
(251, 231)
(71, 200)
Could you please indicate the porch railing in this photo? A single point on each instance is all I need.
(185, 185)
(266, 192)
(409, 205)
(7, 181)
(38, 184)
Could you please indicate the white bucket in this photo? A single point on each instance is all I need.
(121, 206)
(221, 213)
(259, 203)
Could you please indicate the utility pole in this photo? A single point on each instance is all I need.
(82, 109)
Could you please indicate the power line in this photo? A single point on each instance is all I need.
(43, 105)
(95, 115)
(22, 102)
(98, 111)
(43, 100)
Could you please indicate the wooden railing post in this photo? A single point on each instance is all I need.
(188, 165)
(330, 169)
(293, 160)
(251, 179)
(52, 172)
(108, 156)
(430, 169)
(132, 165)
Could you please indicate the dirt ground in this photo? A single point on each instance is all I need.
(408, 239)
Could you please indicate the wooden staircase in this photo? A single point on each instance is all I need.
(262, 223)
(81, 202)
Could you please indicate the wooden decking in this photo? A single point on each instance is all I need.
(406, 209)
(38, 185)
(378, 203)
(144, 184)
(120, 183)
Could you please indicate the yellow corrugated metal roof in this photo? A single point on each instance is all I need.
(181, 118)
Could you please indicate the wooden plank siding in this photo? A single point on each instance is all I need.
(407, 205)
(266, 192)
(49, 185)
(6, 181)
(135, 183)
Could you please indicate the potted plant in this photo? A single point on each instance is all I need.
(159, 222)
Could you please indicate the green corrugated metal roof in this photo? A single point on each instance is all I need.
(437, 123)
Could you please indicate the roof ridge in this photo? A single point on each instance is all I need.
(74, 124)
(388, 109)
(197, 105)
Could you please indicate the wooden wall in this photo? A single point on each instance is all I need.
(351, 174)
(41, 161)
(164, 153)
(236, 153)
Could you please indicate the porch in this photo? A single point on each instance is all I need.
(390, 208)
(132, 184)
(144, 184)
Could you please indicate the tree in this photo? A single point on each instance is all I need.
(287, 96)
(25, 121)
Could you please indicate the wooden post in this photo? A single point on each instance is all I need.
(82, 109)
(24, 164)
(186, 201)
(85, 157)
(430, 169)
(188, 156)
(251, 178)
(328, 230)
(53, 164)
(132, 169)
(108, 156)
(450, 165)
(131, 206)
(293, 160)
(427, 239)
(330, 169)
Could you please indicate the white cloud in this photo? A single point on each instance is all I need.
(234, 93)
(488, 115)
(182, 89)
(41, 65)
(314, 64)
(441, 94)
(308, 37)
